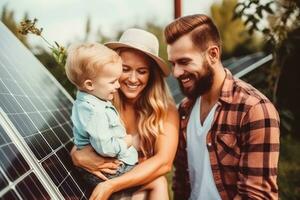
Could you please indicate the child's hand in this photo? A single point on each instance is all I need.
(128, 140)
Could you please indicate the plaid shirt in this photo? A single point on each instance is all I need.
(243, 144)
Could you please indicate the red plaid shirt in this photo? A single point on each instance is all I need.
(243, 144)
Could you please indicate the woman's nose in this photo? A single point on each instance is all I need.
(133, 76)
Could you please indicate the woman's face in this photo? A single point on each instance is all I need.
(135, 74)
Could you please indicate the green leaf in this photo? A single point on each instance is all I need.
(56, 44)
(266, 31)
(268, 9)
(259, 11)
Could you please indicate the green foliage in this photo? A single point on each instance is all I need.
(283, 17)
(252, 19)
(8, 18)
(282, 32)
(169, 179)
(289, 169)
(235, 38)
(58, 52)
(87, 29)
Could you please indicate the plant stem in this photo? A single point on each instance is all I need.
(50, 46)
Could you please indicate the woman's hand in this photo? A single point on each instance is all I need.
(88, 159)
(157, 165)
(102, 191)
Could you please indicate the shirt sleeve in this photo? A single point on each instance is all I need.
(180, 183)
(102, 138)
(259, 153)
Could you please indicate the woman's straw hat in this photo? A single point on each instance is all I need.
(142, 41)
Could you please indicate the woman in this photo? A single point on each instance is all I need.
(149, 115)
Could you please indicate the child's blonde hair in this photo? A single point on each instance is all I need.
(85, 61)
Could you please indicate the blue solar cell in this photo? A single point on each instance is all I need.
(15, 171)
(38, 146)
(11, 195)
(31, 188)
(12, 162)
(55, 169)
(51, 138)
(3, 181)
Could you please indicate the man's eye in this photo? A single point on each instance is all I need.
(184, 63)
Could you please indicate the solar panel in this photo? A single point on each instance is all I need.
(37, 111)
(245, 64)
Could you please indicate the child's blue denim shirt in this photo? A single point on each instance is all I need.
(97, 122)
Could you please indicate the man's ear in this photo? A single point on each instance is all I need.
(213, 54)
(88, 85)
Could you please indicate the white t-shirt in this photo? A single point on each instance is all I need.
(202, 182)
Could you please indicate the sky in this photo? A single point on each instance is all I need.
(64, 20)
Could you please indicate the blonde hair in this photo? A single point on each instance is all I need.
(86, 60)
(151, 107)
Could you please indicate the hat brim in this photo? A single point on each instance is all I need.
(160, 62)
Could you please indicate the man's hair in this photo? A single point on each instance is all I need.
(85, 61)
(202, 29)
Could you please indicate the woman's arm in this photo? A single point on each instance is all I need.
(155, 166)
(88, 159)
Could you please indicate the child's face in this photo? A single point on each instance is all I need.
(107, 82)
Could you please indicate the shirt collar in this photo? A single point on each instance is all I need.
(226, 94)
(83, 96)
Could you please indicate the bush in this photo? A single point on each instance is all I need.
(289, 169)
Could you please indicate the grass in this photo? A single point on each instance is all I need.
(289, 169)
(169, 178)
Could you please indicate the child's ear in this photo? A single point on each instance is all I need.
(88, 85)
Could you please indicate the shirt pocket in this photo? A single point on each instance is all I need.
(114, 123)
(228, 149)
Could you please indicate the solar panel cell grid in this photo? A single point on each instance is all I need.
(14, 170)
(10, 195)
(40, 112)
(12, 162)
(31, 188)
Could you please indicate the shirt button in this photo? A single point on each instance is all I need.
(183, 117)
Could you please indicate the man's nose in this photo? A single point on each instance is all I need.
(177, 71)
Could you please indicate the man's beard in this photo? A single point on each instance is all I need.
(202, 83)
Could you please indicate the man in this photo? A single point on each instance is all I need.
(229, 131)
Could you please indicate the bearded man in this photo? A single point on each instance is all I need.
(229, 131)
